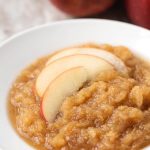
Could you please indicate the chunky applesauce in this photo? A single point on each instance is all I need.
(110, 112)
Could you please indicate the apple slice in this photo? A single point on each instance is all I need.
(93, 64)
(112, 59)
(62, 86)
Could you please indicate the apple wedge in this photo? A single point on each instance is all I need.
(93, 64)
(62, 86)
(112, 59)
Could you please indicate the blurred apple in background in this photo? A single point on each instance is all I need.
(139, 12)
(80, 8)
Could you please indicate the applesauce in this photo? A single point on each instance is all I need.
(110, 112)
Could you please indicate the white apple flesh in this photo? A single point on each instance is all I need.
(93, 64)
(112, 59)
(64, 85)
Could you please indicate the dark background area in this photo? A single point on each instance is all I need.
(116, 12)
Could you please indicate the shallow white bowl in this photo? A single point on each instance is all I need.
(23, 48)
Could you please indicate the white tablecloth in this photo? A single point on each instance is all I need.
(17, 15)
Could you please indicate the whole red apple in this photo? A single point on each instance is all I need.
(139, 12)
(82, 8)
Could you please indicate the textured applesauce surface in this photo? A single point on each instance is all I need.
(109, 113)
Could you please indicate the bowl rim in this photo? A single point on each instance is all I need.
(68, 21)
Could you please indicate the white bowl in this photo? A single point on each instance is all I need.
(23, 48)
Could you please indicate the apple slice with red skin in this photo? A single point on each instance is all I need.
(112, 59)
(62, 86)
(93, 64)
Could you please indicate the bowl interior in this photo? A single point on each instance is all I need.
(21, 50)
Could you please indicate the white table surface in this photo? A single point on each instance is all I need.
(17, 15)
